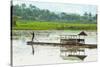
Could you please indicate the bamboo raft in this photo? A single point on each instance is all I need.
(63, 44)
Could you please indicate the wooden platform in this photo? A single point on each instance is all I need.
(63, 44)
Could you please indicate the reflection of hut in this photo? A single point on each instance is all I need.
(73, 53)
(73, 39)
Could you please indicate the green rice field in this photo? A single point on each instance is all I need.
(37, 25)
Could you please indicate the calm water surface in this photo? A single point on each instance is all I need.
(47, 54)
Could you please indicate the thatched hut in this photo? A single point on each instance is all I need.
(82, 34)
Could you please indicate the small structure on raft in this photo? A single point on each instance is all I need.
(73, 39)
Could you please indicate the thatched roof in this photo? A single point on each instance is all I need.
(82, 33)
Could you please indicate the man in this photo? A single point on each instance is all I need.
(33, 36)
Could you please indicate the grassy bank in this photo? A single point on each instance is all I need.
(34, 25)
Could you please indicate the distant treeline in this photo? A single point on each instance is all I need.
(31, 12)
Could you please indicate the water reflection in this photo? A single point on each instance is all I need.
(74, 52)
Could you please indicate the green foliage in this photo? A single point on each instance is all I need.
(33, 13)
(35, 25)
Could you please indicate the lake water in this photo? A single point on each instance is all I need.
(47, 54)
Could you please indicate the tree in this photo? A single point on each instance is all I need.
(23, 6)
(95, 18)
(85, 16)
(14, 20)
(90, 17)
(32, 7)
